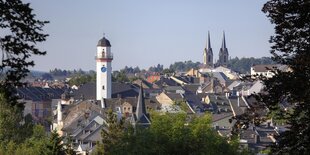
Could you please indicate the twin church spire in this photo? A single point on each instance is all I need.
(208, 53)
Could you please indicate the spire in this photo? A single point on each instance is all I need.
(224, 42)
(208, 46)
(140, 111)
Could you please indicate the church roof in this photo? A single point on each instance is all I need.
(224, 42)
(208, 48)
(103, 42)
(141, 104)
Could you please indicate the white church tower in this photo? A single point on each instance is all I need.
(104, 69)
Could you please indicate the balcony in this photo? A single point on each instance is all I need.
(105, 57)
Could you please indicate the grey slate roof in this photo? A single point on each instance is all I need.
(191, 87)
(220, 76)
(141, 116)
(166, 82)
(194, 101)
(39, 94)
(238, 110)
(140, 111)
(88, 91)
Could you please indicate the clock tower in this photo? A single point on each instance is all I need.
(104, 69)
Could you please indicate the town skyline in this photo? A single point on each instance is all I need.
(142, 36)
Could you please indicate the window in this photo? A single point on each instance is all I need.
(103, 87)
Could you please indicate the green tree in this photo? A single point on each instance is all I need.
(120, 76)
(10, 116)
(21, 33)
(111, 135)
(290, 46)
(55, 144)
(82, 79)
(69, 146)
(167, 134)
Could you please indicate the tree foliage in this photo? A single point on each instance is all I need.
(290, 46)
(82, 79)
(39, 143)
(184, 66)
(111, 135)
(21, 33)
(9, 118)
(120, 76)
(168, 134)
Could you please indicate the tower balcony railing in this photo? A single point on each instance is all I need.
(107, 56)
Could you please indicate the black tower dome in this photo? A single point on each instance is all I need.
(104, 42)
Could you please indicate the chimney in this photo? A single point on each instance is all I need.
(59, 112)
(256, 138)
(103, 103)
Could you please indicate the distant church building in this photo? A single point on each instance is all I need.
(223, 54)
(104, 69)
(208, 54)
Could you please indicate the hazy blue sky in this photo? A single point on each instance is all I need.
(147, 32)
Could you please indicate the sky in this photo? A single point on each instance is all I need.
(145, 33)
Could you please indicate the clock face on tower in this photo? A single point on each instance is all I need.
(103, 69)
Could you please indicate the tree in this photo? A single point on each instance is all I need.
(291, 47)
(167, 134)
(9, 118)
(119, 76)
(111, 135)
(21, 33)
(55, 144)
(69, 146)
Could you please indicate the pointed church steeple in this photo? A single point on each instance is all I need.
(140, 111)
(224, 41)
(208, 46)
(223, 54)
(141, 117)
(208, 54)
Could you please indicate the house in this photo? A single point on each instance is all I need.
(213, 86)
(167, 101)
(228, 72)
(267, 70)
(153, 78)
(257, 138)
(39, 101)
(221, 111)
